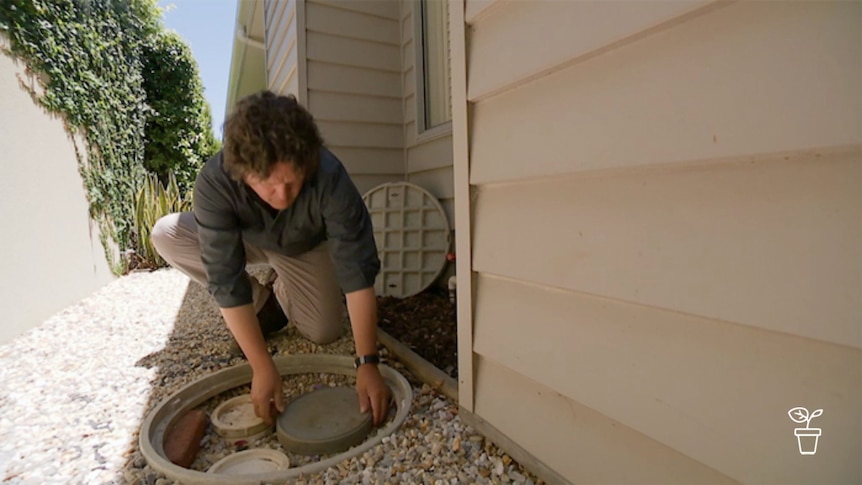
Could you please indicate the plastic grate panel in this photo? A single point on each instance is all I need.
(412, 236)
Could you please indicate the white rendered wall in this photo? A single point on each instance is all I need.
(51, 250)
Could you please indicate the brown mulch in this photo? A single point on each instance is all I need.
(426, 324)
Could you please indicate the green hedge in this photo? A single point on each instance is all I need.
(179, 127)
(128, 87)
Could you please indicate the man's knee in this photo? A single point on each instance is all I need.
(167, 232)
(325, 338)
(164, 231)
(326, 331)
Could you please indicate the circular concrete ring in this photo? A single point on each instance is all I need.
(166, 413)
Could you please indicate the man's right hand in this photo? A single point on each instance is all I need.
(266, 389)
(266, 393)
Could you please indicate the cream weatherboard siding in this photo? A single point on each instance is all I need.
(428, 154)
(361, 125)
(342, 60)
(282, 60)
(51, 250)
(665, 206)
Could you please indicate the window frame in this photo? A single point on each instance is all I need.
(424, 132)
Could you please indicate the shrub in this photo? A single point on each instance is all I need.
(179, 136)
(153, 201)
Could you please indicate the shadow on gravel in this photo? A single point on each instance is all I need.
(198, 345)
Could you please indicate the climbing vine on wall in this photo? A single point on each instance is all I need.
(99, 62)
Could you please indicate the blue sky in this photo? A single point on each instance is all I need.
(208, 27)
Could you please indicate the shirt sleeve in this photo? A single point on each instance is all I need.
(349, 233)
(220, 240)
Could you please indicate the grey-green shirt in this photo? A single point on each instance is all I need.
(328, 207)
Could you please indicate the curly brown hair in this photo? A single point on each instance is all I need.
(265, 128)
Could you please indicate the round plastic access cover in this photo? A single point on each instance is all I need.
(235, 420)
(258, 460)
(323, 422)
(412, 235)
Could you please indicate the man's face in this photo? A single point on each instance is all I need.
(281, 188)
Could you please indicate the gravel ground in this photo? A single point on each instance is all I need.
(74, 391)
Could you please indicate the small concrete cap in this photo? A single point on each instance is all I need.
(235, 420)
(323, 422)
(249, 462)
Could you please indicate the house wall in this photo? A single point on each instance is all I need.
(282, 61)
(343, 61)
(52, 254)
(428, 158)
(667, 236)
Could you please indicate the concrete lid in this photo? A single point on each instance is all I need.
(248, 462)
(234, 419)
(323, 422)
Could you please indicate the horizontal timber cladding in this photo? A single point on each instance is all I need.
(387, 9)
(354, 85)
(536, 37)
(771, 243)
(353, 80)
(713, 391)
(582, 445)
(282, 59)
(746, 79)
(666, 233)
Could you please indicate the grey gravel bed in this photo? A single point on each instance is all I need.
(74, 391)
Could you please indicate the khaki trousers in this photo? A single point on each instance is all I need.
(305, 285)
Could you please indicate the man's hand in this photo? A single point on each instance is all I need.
(267, 394)
(373, 392)
(266, 390)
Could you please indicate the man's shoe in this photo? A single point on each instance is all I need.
(271, 319)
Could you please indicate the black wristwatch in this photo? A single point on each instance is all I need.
(366, 359)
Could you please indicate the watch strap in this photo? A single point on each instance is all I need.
(366, 359)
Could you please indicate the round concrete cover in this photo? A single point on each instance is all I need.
(323, 422)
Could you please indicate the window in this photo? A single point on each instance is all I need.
(434, 102)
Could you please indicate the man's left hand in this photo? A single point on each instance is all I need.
(373, 392)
